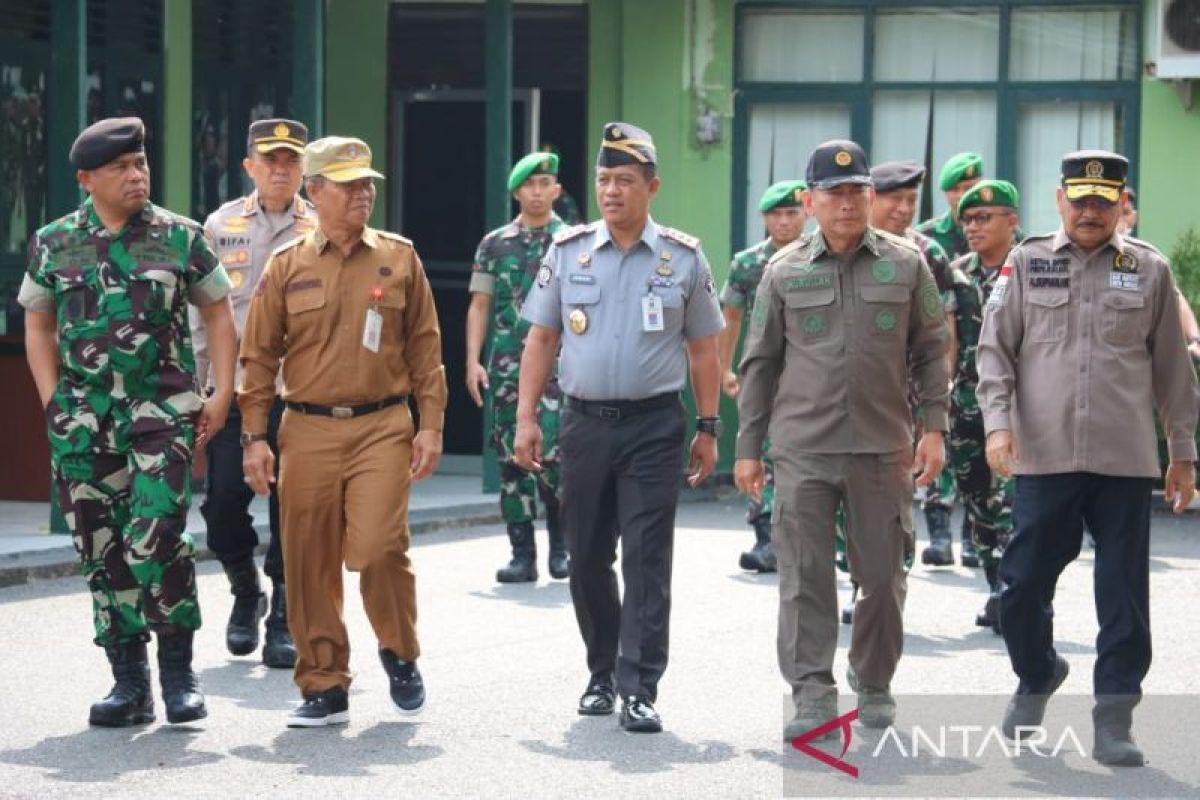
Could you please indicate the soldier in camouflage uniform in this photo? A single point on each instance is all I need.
(106, 293)
(959, 173)
(989, 216)
(783, 215)
(506, 262)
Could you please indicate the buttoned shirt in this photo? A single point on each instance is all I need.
(587, 277)
(825, 367)
(120, 299)
(243, 235)
(1077, 352)
(312, 304)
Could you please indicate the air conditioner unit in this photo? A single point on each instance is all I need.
(1175, 45)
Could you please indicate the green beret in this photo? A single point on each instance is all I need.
(990, 193)
(962, 167)
(781, 195)
(532, 164)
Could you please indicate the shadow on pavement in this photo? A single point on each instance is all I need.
(330, 751)
(554, 594)
(593, 740)
(130, 750)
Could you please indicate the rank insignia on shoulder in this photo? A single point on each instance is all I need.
(574, 232)
(679, 237)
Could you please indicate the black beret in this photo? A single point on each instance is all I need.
(625, 144)
(892, 175)
(836, 162)
(101, 142)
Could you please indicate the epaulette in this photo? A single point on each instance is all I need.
(679, 237)
(573, 232)
(395, 237)
(288, 245)
(790, 249)
(165, 217)
(899, 241)
(1144, 244)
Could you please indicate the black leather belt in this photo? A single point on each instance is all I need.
(345, 412)
(620, 409)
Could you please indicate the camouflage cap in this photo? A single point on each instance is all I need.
(339, 158)
(892, 175)
(275, 134)
(101, 142)
(781, 195)
(990, 193)
(959, 168)
(1094, 173)
(532, 164)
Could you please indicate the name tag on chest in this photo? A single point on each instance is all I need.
(652, 313)
(1123, 280)
(372, 330)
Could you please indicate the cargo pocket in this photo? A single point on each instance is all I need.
(1047, 316)
(1121, 320)
(886, 309)
(305, 300)
(808, 312)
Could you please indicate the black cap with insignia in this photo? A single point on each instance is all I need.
(1094, 173)
(101, 142)
(272, 134)
(892, 175)
(625, 144)
(836, 162)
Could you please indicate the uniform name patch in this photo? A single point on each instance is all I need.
(300, 286)
(810, 282)
(1044, 266)
(577, 278)
(1123, 280)
(1049, 283)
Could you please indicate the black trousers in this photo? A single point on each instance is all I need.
(231, 534)
(621, 478)
(1048, 516)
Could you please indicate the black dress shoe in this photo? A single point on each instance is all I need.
(599, 698)
(407, 685)
(330, 707)
(639, 716)
(1027, 707)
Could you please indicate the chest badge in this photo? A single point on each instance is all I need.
(237, 278)
(585, 259)
(578, 320)
(664, 270)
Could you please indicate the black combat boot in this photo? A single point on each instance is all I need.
(129, 702)
(180, 687)
(249, 606)
(279, 650)
(1113, 718)
(760, 558)
(523, 567)
(939, 552)
(560, 562)
(970, 556)
(989, 617)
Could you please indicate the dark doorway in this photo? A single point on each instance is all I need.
(436, 195)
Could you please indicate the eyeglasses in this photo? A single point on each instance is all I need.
(981, 218)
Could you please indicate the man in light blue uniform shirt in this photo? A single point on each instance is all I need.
(631, 303)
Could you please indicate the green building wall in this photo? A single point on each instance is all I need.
(1169, 165)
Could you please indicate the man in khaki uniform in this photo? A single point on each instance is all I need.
(838, 317)
(353, 310)
(243, 233)
(1081, 344)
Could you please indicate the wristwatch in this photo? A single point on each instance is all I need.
(709, 425)
(250, 438)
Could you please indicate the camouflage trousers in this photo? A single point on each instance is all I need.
(519, 489)
(761, 509)
(124, 485)
(940, 493)
(987, 498)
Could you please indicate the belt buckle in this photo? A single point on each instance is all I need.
(341, 412)
(610, 412)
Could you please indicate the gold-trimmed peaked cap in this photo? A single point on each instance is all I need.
(625, 144)
(1094, 173)
(339, 158)
(274, 134)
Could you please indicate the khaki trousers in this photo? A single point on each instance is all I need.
(343, 488)
(877, 492)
